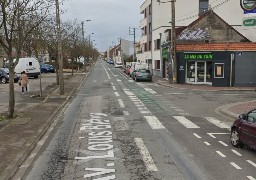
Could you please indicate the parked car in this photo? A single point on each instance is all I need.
(132, 74)
(45, 68)
(143, 75)
(30, 65)
(243, 130)
(118, 64)
(110, 61)
(4, 76)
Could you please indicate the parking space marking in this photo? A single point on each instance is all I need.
(220, 153)
(235, 165)
(187, 123)
(224, 144)
(121, 103)
(154, 122)
(237, 153)
(148, 160)
(252, 163)
(199, 137)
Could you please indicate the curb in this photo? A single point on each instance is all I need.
(10, 171)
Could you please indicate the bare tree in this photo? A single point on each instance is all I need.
(18, 19)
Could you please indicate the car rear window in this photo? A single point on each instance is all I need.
(144, 70)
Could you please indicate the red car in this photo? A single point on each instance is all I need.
(243, 130)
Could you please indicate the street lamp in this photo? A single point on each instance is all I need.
(89, 46)
(87, 20)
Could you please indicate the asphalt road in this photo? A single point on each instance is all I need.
(115, 128)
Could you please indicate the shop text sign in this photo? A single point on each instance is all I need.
(198, 56)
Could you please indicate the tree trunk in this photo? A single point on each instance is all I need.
(11, 90)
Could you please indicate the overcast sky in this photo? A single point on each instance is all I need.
(110, 19)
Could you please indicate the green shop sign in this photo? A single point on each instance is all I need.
(198, 56)
(165, 53)
(251, 21)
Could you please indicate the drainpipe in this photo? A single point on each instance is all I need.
(232, 57)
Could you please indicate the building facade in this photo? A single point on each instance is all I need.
(157, 17)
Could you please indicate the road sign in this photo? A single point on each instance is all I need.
(248, 5)
(249, 12)
(249, 21)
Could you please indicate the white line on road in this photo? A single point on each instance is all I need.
(251, 178)
(114, 88)
(112, 84)
(121, 103)
(150, 90)
(217, 123)
(237, 153)
(148, 160)
(208, 144)
(126, 113)
(187, 123)
(131, 80)
(118, 80)
(199, 137)
(224, 144)
(252, 163)
(212, 134)
(116, 93)
(154, 122)
(220, 153)
(129, 93)
(235, 165)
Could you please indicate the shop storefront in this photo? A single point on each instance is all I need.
(210, 68)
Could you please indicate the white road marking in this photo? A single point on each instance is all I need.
(114, 88)
(252, 163)
(118, 80)
(179, 110)
(125, 89)
(107, 72)
(112, 84)
(145, 112)
(237, 153)
(199, 137)
(110, 164)
(224, 144)
(220, 153)
(131, 80)
(129, 93)
(150, 90)
(208, 144)
(148, 160)
(94, 81)
(126, 113)
(251, 178)
(217, 123)
(100, 171)
(116, 93)
(184, 121)
(235, 165)
(116, 75)
(121, 103)
(212, 134)
(154, 122)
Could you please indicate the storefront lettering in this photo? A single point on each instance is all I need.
(198, 56)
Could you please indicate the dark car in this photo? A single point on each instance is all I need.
(243, 130)
(143, 75)
(45, 68)
(110, 61)
(4, 76)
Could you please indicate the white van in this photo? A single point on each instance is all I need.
(137, 65)
(30, 65)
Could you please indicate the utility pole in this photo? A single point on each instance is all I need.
(173, 46)
(60, 56)
(133, 32)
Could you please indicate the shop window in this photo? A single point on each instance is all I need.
(157, 64)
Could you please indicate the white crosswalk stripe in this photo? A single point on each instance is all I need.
(187, 123)
(217, 123)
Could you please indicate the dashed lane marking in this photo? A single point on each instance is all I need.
(252, 163)
(199, 137)
(208, 144)
(220, 153)
(116, 93)
(212, 134)
(235, 165)
(237, 153)
(154, 122)
(148, 160)
(187, 123)
(224, 144)
(114, 88)
(251, 178)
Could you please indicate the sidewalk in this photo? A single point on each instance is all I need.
(230, 110)
(20, 136)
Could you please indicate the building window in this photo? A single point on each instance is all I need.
(150, 9)
(150, 28)
(145, 47)
(145, 13)
(203, 6)
(149, 47)
(157, 64)
(145, 30)
(157, 44)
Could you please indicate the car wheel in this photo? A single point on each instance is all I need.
(3, 80)
(235, 138)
